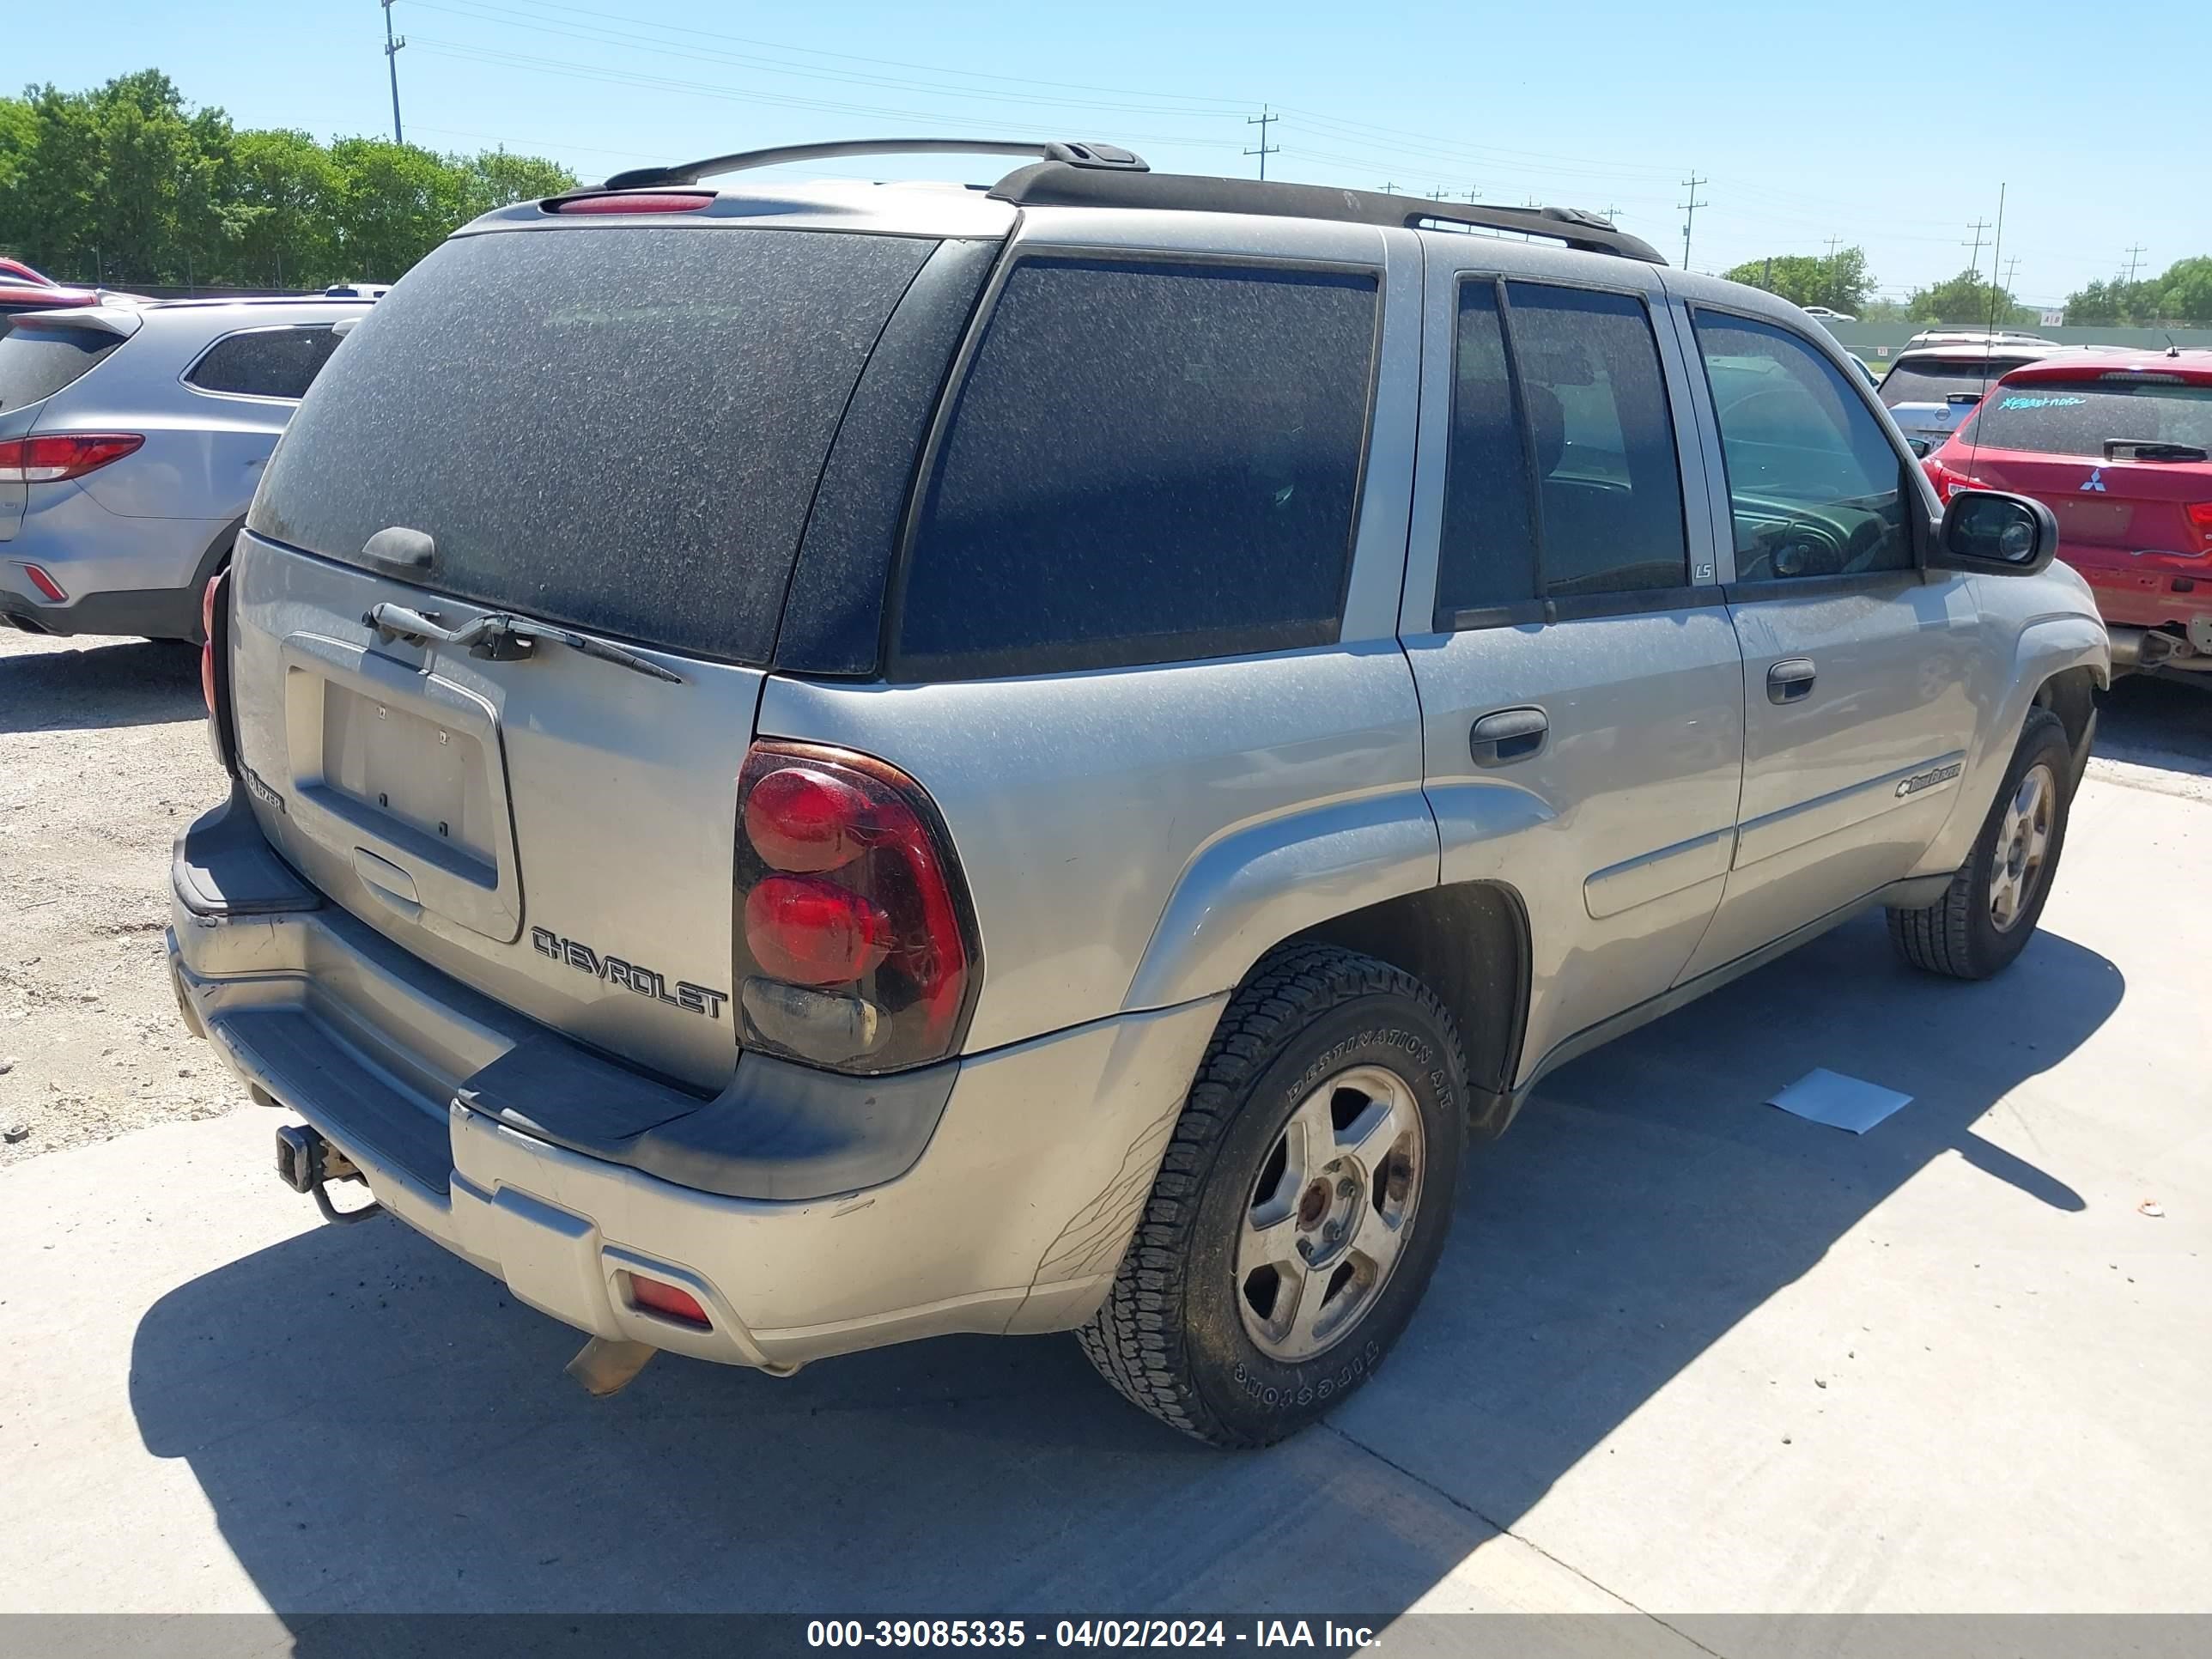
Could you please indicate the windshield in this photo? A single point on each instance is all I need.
(2079, 418)
(617, 428)
(1934, 379)
(38, 360)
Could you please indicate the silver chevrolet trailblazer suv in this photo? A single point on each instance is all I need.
(819, 765)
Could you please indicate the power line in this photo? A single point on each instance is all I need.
(392, 45)
(1690, 213)
(1263, 120)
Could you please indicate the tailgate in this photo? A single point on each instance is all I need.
(609, 438)
(2119, 455)
(2138, 510)
(556, 830)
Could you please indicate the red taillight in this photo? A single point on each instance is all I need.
(2200, 520)
(53, 456)
(46, 584)
(636, 201)
(800, 818)
(855, 949)
(668, 1301)
(808, 930)
(207, 639)
(215, 686)
(1946, 480)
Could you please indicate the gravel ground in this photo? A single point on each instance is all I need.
(104, 757)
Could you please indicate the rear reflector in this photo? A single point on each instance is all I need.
(634, 202)
(46, 584)
(53, 456)
(668, 1301)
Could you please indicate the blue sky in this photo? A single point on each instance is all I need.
(1868, 122)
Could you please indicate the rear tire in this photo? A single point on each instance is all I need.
(1300, 1207)
(1991, 910)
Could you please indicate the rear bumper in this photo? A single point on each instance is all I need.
(2131, 595)
(1012, 1217)
(123, 575)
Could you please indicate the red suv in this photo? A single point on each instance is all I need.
(2118, 447)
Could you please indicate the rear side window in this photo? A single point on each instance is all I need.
(2080, 417)
(1146, 463)
(1487, 551)
(265, 362)
(38, 360)
(1609, 485)
(615, 428)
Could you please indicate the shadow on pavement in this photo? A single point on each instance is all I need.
(58, 686)
(2164, 722)
(378, 1427)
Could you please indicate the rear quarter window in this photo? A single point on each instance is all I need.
(38, 360)
(1147, 462)
(265, 362)
(620, 428)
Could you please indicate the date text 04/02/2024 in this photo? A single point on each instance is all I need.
(1088, 1633)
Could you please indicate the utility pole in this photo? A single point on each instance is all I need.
(1389, 187)
(392, 45)
(1263, 120)
(1690, 213)
(1613, 216)
(1977, 228)
(2134, 258)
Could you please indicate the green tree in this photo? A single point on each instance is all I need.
(497, 178)
(1967, 300)
(1839, 282)
(2184, 293)
(285, 191)
(2105, 305)
(126, 184)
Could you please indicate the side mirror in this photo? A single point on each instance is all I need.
(1921, 448)
(1995, 533)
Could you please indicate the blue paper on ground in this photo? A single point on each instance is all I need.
(1842, 1103)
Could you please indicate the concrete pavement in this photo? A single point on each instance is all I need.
(1686, 1355)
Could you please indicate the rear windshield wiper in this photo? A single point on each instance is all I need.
(2137, 449)
(502, 638)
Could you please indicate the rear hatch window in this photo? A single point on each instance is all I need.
(37, 360)
(619, 428)
(1933, 381)
(2081, 417)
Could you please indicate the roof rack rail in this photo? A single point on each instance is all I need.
(1111, 157)
(1043, 185)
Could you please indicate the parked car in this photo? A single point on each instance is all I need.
(131, 438)
(19, 299)
(356, 291)
(1942, 373)
(2120, 446)
(959, 811)
(15, 272)
(1828, 316)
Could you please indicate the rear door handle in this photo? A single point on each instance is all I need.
(1790, 680)
(1507, 736)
